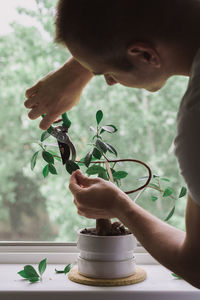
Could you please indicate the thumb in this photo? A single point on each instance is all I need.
(74, 185)
(83, 180)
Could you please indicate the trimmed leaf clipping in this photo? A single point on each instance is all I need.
(23, 274)
(30, 271)
(42, 266)
(99, 116)
(170, 214)
(34, 159)
(71, 166)
(65, 271)
(31, 274)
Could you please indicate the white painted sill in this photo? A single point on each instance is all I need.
(160, 284)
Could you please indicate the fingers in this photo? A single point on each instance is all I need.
(33, 90)
(48, 120)
(29, 103)
(84, 180)
(74, 185)
(36, 112)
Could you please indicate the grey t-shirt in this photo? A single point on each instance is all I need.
(187, 141)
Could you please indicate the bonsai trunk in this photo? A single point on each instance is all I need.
(103, 227)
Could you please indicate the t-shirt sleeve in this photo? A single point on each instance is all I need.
(187, 140)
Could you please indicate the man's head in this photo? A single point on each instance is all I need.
(131, 42)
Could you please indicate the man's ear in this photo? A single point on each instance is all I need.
(145, 53)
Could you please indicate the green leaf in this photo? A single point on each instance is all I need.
(167, 192)
(107, 128)
(71, 166)
(95, 170)
(103, 175)
(111, 148)
(33, 279)
(119, 174)
(67, 269)
(170, 214)
(101, 145)
(164, 179)
(112, 126)
(59, 271)
(45, 171)
(34, 159)
(88, 158)
(48, 157)
(44, 136)
(96, 153)
(81, 162)
(97, 136)
(23, 274)
(52, 169)
(183, 192)
(154, 198)
(42, 266)
(56, 155)
(30, 271)
(99, 116)
(178, 277)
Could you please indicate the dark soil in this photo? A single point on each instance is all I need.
(117, 229)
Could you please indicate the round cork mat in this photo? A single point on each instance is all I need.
(138, 276)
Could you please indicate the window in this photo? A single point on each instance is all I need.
(36, 209)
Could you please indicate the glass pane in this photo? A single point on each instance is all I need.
(34, 208)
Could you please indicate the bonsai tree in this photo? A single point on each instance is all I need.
(99, 162)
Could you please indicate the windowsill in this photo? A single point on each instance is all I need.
(160, 284)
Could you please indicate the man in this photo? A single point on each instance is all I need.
(137, 43)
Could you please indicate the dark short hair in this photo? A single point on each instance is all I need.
(108, 27)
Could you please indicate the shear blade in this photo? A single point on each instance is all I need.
(64, 151)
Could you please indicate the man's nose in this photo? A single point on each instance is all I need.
(109, 80)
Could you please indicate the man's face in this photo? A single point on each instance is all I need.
(140, 76)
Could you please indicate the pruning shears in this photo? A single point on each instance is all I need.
(65, 144)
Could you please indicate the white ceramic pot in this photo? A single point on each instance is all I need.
(106, 256)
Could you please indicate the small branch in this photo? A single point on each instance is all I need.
(109, 172)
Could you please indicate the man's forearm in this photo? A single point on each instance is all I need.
(73, 67)
(161, 240)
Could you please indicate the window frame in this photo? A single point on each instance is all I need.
(55, 252)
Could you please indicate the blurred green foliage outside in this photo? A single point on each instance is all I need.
(34, 208)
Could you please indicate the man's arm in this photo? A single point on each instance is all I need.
(57, 92)
(173, 248)
(178, 251)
